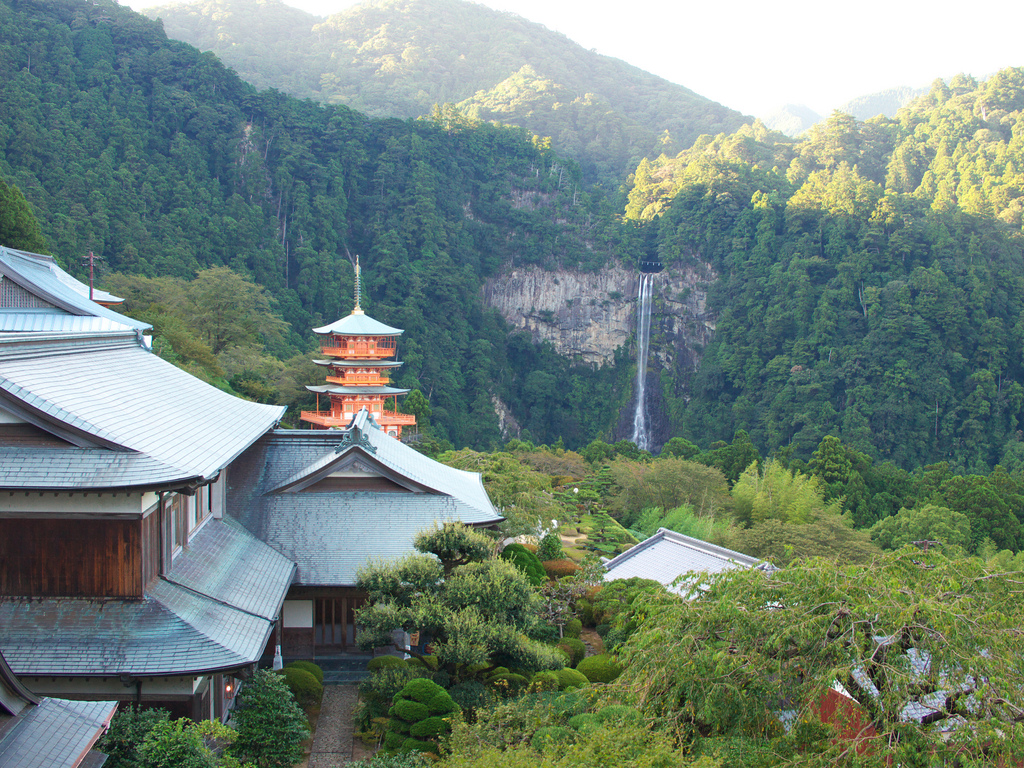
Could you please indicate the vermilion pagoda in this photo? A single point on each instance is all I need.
(359, 354)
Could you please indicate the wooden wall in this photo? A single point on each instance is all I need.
(73, 558)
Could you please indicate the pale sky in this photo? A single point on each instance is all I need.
(755, 56)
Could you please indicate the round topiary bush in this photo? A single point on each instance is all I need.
(526, 561)
(585, 723)
(571, 678)
(552, 735)
(386, 662)
(310, 667)
(572, 628)
(417, 717)
(599, 669)
(427, 662)
(585, 609)
(574, 647)
(544, 681)
(509, 684)
(306, 689)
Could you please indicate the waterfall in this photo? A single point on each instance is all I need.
(641, 431)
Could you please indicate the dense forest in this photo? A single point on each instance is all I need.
(869, 272)
(870, 278)
(398, 58)
(162, 162)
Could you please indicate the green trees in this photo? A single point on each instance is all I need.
(18, 226)
(910, 638)
(478, 616)
(270, 725)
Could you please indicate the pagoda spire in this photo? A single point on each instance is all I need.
(358, 310)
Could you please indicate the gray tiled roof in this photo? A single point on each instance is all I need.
(55, 734)
(667, 555)
(330, 535)
(196, 620)
(55, 322)
(130, 397)
(38, 468)
(358, 325)
(41, 276)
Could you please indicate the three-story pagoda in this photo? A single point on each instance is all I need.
(359, 352)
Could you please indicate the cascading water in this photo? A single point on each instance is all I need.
(641, 430)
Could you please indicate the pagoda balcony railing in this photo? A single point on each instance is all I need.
(360, 378)
(359, 352)
(329, 419)
(390, 417)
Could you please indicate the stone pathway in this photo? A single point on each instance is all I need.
(332, 742)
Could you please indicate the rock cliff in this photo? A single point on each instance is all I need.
(588, 315)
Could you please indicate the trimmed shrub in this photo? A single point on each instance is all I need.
(556, 569)
(305, 688)
(617, 713)
(572, 628)
(571, 678)
(442, 704)
(509, 684)
(416, 716)
(310, 667)
(564, 656)
(544, 681)
(410, 711)
(599, 669)
(386, 662)
(585, 723)
(550, 548)
(574, 647)
(525, 561)
(417, 745)
(429, 728)
(603, 629)
(427, 662)
(552, 735)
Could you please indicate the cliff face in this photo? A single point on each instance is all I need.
(588, 315)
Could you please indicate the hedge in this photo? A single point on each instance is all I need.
(310, 667)
(386, 662)
(556, 569)
(574, 647)
(305, 688)
(571, 678)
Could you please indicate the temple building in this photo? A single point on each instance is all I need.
(157, 554)
(359, 356)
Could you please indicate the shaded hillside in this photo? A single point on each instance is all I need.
(163, 162)
(401, 57)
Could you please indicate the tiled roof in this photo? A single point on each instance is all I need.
(55, 734)
(74, 468)
(214, 610)
(331, 534)
(358, 325)
(667, 555)
(43, 278)
(130, 397)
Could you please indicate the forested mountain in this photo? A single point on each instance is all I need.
(871, 277)
(164, 163)
(402, 57)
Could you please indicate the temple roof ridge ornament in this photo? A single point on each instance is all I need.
(358, 310)
(355, 437)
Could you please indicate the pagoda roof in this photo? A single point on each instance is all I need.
(358, 324)
(282, 493)
(331, 389)
(360, 363)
